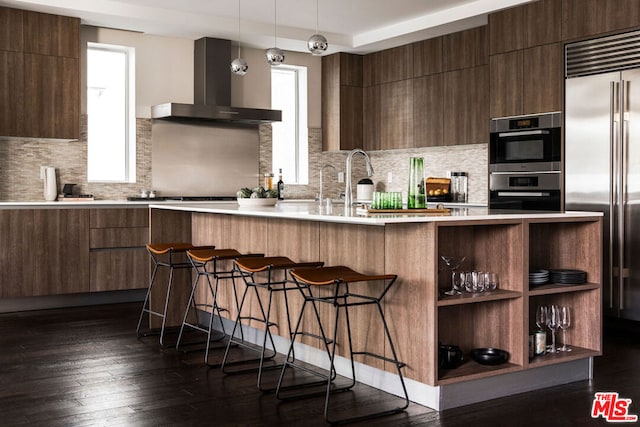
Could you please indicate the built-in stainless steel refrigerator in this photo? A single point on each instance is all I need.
(602, 157)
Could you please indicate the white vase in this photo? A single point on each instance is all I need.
(50, 186)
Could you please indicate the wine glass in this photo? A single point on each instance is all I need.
(565, 323)
(453, 262)
(541, 317)
(553, 323)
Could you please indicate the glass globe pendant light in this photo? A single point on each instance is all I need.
(239, 66)
(275, 55)
(317, 43)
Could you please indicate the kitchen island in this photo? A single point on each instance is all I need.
(420, 315)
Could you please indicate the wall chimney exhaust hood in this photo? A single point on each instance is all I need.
(212, 92)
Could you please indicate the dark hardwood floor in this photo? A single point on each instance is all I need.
(85, 367)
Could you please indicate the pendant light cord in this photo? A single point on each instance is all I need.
(275, 22)
(239, 28)
(317, 16)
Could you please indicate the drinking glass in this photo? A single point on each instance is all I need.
(453, 262)
(565, 323)
(491, 281)
(541, 317)
(553, 323)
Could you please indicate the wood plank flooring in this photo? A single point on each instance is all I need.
(85, 367)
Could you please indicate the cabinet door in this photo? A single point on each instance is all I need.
(388, 65)
(121, 269)
(62, 252)
(542, 22)
(506, 71)
(55, 35)
(505, 30)
(351, 120)
(119, 217)
(11, 29)
(11, 97)
(18, 259)
(465, 106)
(427, 57)
(465, 49)
(544, 84)
(428, 93)
(51, 94)
(582, 18)
(372, 118)
(396, 115)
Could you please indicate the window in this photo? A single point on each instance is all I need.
(111, 114)
(290, 141)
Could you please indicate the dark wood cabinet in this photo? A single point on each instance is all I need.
(506, 80)
(583, 18)
(11, 93)
(427, 57)
(372, 107)
(465, 116)
(39, 75)
(46, 34)
(17, 253)
(118, 257)
(465, 49)
(11, 30)
(543, 79)
(342, 97)
(388, 65)
(61, 251)
(542, 22)
(428, 94)
(505, 30)
(388, 111)
(51, 94)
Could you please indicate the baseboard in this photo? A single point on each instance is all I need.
(9, 305)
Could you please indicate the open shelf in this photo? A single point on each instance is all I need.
(576, 353)
(470, 369)
(553, 288)
(470, 298)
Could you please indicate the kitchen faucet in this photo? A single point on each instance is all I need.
(348, 197)
(320, 197)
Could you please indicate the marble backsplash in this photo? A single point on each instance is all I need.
(20, 161)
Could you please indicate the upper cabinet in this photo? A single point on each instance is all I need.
(465, 49)
(386, 66)
(342, 97)
(583, 18)
(39, 75)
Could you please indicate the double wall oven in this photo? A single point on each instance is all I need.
(525, 162)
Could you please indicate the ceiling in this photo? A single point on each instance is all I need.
(358, 26)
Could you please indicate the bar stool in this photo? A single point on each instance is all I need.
(310, 282)
(199, 259)
(269, 273)
(172, 256)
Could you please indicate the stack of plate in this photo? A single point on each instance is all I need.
(569, 277)
(538, 277)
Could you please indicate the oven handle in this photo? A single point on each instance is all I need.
(524, 133)
(524, 173)
(522, 194)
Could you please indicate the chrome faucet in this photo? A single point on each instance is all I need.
(321, 196)
(348, 197)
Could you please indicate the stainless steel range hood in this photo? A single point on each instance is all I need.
(212, 92)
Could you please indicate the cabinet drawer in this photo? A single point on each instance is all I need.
(119, 217)
(115, 270)
(120, 237)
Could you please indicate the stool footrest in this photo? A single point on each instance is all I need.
(318, 337)
(377, 356)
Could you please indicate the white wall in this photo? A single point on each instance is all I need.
(164, 72)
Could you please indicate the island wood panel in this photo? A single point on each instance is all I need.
(114, 270)
(170, 226)
(62, 251)
(18, 259)
(361, 248)
(119, 217)
(301, 244)
(410, 306)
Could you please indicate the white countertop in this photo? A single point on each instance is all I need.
(88, 204)
(311, 211)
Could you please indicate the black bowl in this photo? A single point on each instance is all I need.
(489, 356)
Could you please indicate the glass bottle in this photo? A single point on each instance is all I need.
(280, 185)
(416, 194)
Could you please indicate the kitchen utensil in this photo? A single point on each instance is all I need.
(449, 356)
(364, 190)
(489, 356)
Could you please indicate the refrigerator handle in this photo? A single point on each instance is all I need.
(613, 134)
(622, 184)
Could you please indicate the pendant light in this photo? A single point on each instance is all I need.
(275, 55)
(239, 66)
(317, 43)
